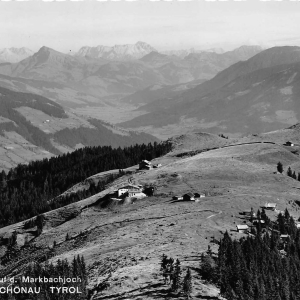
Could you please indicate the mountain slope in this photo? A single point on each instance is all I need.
(265, 59)
(248, 96)
(50, 65)
(133, 238)
(158, 92)
(65, 95)
(31, 124)
(202, 65)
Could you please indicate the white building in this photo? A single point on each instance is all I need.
(131, 191)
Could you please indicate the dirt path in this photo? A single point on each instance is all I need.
(214, 215)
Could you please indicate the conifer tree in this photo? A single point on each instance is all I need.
(289, 172)
(294, 175)
(176, 280)
(279, 167)
(170, 269)
(187, 284)
(163, 267)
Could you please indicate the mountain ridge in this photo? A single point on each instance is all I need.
(244, 82)
(101, 78)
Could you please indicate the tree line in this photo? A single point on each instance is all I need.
(289, 171)
(172, 275)
(26, 190)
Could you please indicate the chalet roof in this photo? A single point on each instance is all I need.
(189, 194)
(284, 236)
(242, 227)
(259, 221)
(128, 186)
(270, 205)
(145, 161)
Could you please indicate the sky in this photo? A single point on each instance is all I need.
(165, 25)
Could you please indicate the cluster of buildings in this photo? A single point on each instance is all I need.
(147, 165)
(129, 190)
(132, 190)
(189, 196)
(252, 216)
(244, 228)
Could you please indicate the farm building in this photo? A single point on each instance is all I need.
(188, 196)
(242, 228)
(157, 166)
(177, 197)
(262, 222)
(270, 206)
(149, 191)
(288, 143)
(284, 237)
(250, 213)
(131, 190)
(197, 195)
(145, 165)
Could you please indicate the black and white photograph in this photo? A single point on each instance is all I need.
(150, 150)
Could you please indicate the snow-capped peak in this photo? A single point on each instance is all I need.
(14, 55)
(117, 52)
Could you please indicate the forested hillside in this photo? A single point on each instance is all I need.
(34, 127)
(14, 121)
(263, 266)
(26, 189)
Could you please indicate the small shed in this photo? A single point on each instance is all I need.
(199, 195)
(270, 206)
(262, 222)
(288, 143)
(157, 165)
(177, 197)
(145, 165)
(189, 196)
(284, 236)
(242, 228)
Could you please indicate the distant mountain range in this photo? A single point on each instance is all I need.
(134, 51)
(101, 77)
(257, 95)
(34, 127)
(117, 52)
(185, 52)
(13, 55)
